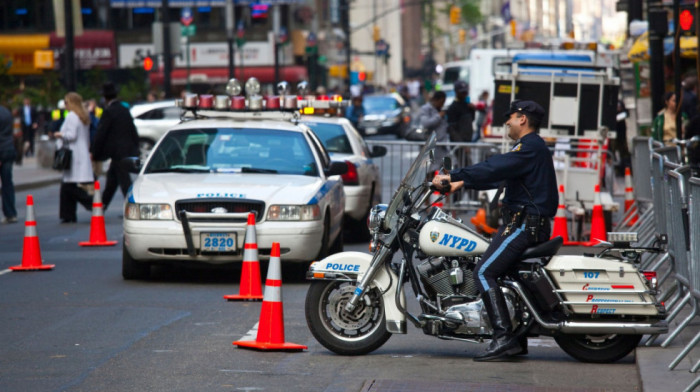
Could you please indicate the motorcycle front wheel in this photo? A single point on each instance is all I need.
(356, 333)
(598, 348)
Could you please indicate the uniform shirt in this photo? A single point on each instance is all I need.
(528, 165)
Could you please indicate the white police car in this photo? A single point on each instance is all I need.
(192, 196)
(363, 181)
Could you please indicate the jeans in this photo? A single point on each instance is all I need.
(7, 158)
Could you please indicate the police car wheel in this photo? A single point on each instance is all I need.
(598, 348)
(356, 333)
(132, 269)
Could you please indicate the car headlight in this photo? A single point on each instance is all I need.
(307, 212)
(376, 217)
(148, 211)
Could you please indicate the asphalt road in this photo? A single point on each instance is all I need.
(80, 327)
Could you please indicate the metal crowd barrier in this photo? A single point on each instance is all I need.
(641, 164)
(400, 154)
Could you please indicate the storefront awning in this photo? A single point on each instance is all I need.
(19, 49)
(219, 76)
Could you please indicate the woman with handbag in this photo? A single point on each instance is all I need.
(77, 173)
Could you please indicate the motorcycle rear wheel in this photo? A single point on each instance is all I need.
(358, 333)
(598, 348)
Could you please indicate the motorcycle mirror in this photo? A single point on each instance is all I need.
(447, 163)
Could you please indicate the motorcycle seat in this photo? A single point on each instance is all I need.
(544, 249)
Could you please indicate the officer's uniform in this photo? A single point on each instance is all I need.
(530, 202)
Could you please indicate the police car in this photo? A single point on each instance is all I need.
(190, 200)
(362, 182)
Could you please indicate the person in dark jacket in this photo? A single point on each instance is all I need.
(530, 202)
(460, 115)
(30, 123)
(116, 139)
(7, 158)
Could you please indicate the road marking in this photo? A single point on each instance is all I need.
(3, 272)
(252, 334)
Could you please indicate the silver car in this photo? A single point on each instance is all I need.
(152, 120)
(362, 182)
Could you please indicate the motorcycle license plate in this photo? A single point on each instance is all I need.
(218, 242)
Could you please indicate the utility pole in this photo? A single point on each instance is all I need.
(275, 33)
(69, 51)
(658, 27)
(345, 23)
(230, 21)
(677, 66)
(167, 56)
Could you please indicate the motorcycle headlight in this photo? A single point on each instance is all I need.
(376, 217)
(148, 212)
(307, 212)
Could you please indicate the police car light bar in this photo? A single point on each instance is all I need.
(617, 237)
(207, 105)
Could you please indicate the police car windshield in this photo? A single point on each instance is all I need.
(332, 136)
(233, 150)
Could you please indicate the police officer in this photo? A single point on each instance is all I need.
(530, 202)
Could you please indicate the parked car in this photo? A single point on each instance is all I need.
(152, 120)
(191, 198)
(385, 114)
(362, 182)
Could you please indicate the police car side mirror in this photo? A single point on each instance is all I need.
(131, 164)
(378, 151)
(336, 169)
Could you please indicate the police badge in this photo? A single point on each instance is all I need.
(434, 235)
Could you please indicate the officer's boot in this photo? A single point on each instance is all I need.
(502, 342)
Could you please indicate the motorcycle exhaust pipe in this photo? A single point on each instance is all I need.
(579, 327)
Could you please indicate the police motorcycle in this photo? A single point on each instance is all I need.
(595, 307)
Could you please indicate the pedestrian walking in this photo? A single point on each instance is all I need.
(431, 118)
(116, 139)
(663, 128)
(482, 108)
(7, 159)
(78, 178)
(30, 123)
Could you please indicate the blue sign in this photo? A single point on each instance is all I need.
(381, 47)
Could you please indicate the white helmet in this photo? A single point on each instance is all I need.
(62, 104)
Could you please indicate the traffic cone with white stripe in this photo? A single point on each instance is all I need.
(271, 326)
(561, 226)
(598, 232)
(629, 198)
(250, 288)
(98, 233)
(31, 253)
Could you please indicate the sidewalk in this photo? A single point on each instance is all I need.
(653, 362)
(31, 175)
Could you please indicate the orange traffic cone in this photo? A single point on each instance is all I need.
(598, 233)
(250, 288)
(98, 233)
(271, 326)
(31, 254)
(479, 221)
(629, 198)
(561, 226)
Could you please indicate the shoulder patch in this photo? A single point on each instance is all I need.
(516, 147)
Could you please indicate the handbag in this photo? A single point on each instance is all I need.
(62, 159)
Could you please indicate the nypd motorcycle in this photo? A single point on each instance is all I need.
(596, 307)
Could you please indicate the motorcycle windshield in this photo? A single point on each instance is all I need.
(413, 179)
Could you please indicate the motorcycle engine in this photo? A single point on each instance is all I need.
(447, 276)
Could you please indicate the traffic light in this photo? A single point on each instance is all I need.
(686, 20)
(376, 34)
(513, 28)
(147, 63)
(455, 15)
(462, 36)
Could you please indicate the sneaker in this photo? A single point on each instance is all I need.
(12, 219)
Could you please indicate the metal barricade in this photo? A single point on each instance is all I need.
(400, 154)
(641, 165)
